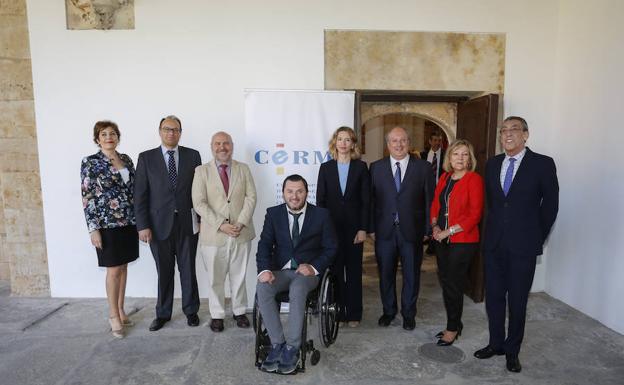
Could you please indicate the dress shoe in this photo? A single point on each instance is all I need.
(158, 323)
(385, 320)
(242, 321)
(487, 352)
(116, 327)
(513, 363)
(409, 323)
(289, 360)
(216, 325)
(441, 333)
(442, 342)
(192, 320)
(271, 362)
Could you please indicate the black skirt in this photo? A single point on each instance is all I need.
(119, 246)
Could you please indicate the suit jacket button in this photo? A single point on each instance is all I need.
(506, 204)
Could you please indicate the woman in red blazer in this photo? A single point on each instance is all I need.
(455, 214)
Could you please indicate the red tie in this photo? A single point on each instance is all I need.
(224, 177)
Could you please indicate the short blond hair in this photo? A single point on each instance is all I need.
(458, 143)
(355, 151)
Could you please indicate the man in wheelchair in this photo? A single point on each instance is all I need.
(297, 242)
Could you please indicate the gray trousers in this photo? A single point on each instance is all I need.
(298, 287)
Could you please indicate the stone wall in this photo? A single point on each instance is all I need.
(392, 60)
(23, 257)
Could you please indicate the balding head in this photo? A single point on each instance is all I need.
(222, 147)
(398, 142)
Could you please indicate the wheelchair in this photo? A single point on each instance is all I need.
(322, 304)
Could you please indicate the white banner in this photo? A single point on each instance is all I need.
(287, 132)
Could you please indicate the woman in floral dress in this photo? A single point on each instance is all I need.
(107, 199)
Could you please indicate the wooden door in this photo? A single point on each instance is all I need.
(477, 120)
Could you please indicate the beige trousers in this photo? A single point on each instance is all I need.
(219, 262)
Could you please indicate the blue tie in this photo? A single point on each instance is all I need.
(397, 177)
(397, 184)
(173, 174)
(508, 176)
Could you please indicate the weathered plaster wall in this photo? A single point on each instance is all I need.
(386, 60)
(23, 257)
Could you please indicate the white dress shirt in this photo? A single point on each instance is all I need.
(439, 165)
(403, 162)
(506, 163)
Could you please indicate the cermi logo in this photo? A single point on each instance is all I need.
(281, 156)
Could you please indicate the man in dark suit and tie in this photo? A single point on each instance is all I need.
(163, 209)
(402, 188)
(435, 156)
(298, 242)
(522, 204)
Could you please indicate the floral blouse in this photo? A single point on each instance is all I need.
(108, 201)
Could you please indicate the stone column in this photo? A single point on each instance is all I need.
(23, 257)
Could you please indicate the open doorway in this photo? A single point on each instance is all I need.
(466, 115)
(419, 130)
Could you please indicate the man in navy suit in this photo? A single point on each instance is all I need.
(401, 193)
(522, 202)
(162, 205)
(298, 242)
(435, 156)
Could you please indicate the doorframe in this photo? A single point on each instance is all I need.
(396, 96)
(392, 96)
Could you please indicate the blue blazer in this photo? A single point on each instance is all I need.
(521, 221)
(317, 243)
(413, 202)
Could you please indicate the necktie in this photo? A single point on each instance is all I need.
(397, 183)
(173, 173)
(397, 176)
(295, 237)
(224, 177)
(509, 176)
(434, 165)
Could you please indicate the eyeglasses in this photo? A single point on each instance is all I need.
(169, 130)
(510, 131)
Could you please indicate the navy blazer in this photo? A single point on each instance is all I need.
(155, 199)
(412, 202)
(521, 221)
(351, 209)
(317, 242)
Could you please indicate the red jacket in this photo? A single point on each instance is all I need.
(465, 206)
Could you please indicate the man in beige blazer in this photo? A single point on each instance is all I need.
(224, 195)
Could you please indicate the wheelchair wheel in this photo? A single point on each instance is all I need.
(255, 314)
(328, 310)
(315, 358)
(263, 342)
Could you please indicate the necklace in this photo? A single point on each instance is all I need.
(447, 196)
